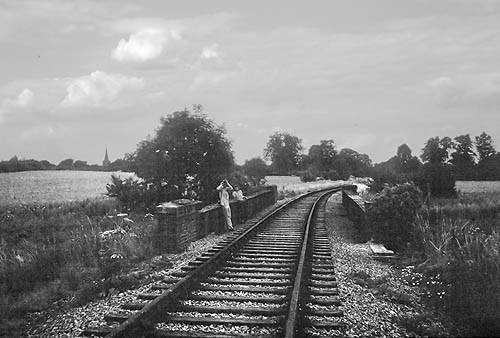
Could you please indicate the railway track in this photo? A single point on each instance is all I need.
(274, 279)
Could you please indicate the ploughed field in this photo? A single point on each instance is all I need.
(52, 186)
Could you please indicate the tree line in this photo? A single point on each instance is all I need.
(14, 165)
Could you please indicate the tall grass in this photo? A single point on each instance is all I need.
(461, 243)
(50, 251)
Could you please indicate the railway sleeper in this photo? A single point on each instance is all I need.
(273, 300)
(136, 306)
(323, 284)
(323, 277)
(325, 324)
(326, 302)
(220, 274)
(268, 290)
(325, 313)
(97, 331)
(323, 292)
(252, 311)
(247, 282)
(198, 334)
(286, 270)
(255, 265)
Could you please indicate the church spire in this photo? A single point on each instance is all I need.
(106, 161)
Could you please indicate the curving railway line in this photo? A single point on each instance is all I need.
(273, 279)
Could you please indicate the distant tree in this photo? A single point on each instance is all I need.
(256, 169)
(436, 150)
(46, 165)
(79, 164)
(65, 164)
(350, 162)
(121, 165)
(398, 169)
(322, 157)
(187, 157)
(284, 151)
(484, 146)
(404, 153)
(489, 168)
(463, 157)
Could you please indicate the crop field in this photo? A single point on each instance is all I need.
(53, 186)
(478, 186)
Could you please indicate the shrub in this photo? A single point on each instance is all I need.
(437, 177)
(307, 176)
(392, 212)
(133, 194)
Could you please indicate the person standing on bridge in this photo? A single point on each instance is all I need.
(223, 189)
(240, 204)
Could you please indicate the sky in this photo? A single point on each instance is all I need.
(79, 76)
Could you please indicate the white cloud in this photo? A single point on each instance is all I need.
(22, 100)
(211, 53)
(144, 45)
(98, 89)
(476, 89)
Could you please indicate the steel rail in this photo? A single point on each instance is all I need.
(144, 319)
(294, 317)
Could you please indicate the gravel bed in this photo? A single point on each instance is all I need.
(373, 311)
(242, 286)
(224, 315)
(238, 305)
(227, 329)
(259, 275)
(65, 321)
(237, 294)
(236, 280)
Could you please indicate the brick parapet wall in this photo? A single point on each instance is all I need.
(181, 222)
(355, 207)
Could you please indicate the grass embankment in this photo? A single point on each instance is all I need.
(74, 251)
(461, 245)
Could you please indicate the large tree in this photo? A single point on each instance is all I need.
(255, 169)
(488, 166)
(436, 150)
(350, 162)
(284, 150)
(484, 146)
(187, 157)
(463, 157)
(322, 156)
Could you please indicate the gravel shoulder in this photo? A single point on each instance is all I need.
(377, 299)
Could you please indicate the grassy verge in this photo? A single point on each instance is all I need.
(74, 251)
(455, 259)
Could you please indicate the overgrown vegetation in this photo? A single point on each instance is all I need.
(391, 214)
(74, 250)
(454, 246)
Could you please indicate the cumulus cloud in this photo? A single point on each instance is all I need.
(98, 89)
(22, 100)
(144, 45)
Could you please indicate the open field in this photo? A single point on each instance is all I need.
(53, 186)
(478, 186)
